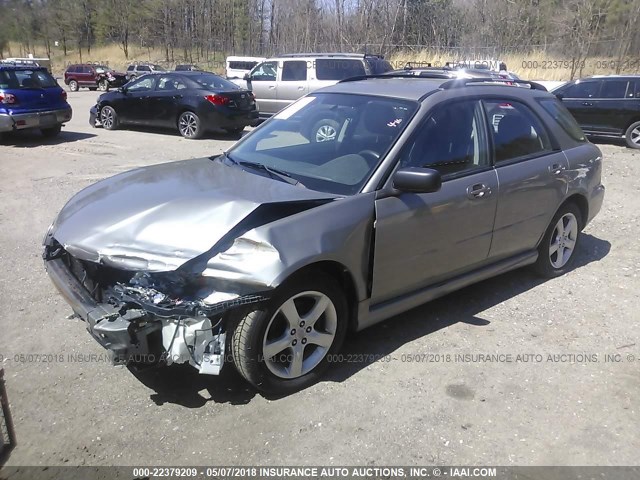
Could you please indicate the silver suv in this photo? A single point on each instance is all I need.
(279, 81)
(136, 70)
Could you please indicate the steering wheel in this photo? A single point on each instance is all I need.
(371, 156)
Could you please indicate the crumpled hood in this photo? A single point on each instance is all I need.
(156, 218)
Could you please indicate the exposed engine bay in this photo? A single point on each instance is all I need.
(153, 318)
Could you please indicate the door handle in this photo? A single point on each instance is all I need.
(477, 191)
(556, 168)
(587, 104)
(177, 96)
(272, 87)
(300, 88)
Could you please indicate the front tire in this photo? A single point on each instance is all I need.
(103, 85)
(108, 118)
(557, 250)
(73, 86)
(632, 135)
(287, 345)
(189, 125)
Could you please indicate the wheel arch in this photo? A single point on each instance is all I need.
(582, 203)
(343, 276)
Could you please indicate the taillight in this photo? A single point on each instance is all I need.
(218, 99)
(63, 94)
(8, 98)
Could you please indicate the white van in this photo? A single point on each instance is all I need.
(238, 67)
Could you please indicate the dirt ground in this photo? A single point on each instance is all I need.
(570, 398)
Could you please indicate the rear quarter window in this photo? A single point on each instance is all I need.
(338, 68)
(563, 117)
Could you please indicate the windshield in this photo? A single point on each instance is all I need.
(101, 68)
(26, 79)
(330, 142)
(211, 81)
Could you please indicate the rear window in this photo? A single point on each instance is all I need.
(211, 81)
(379, 66)
(18, 79)
(338, 68)
(563, 117)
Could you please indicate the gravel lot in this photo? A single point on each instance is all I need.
(377, 409)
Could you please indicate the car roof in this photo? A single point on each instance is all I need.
(411, 87)
(21, 66)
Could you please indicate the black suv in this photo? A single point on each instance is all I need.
(607, 106)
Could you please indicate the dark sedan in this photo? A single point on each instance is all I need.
(192, 102)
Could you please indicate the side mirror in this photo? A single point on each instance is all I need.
(559, 96)
(417, 180)
(123, 90)
(246, 77)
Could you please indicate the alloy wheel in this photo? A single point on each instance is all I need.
(635, 135)
(107, 117)
(188, 125)
(563, 240)
(300, 334)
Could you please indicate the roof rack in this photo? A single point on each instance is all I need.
(407, 74)
(334, 54)
(463, 82)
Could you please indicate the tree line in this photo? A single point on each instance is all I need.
(194, 30)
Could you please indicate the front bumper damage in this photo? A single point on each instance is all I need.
(137, 324)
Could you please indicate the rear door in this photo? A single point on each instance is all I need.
(165, 100)
(614, 112)
(423, 239)
(531, 174)
(293, 82)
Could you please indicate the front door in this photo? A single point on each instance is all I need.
(423, 239)
(135, 105)
(263, 82)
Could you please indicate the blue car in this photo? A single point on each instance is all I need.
(30, 98)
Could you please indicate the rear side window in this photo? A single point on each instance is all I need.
(26, 79)
(294, 71)
(72, 69)
(338, 68)
(517, 132)
(560, 114)
(613, 89)
(143, 68)
(634, 89)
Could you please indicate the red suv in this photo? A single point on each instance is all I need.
(94, 77)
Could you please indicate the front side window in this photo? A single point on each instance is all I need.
(451, 140)
(170, 83)
(363, 129)
(144, 68)
(294, 71)
(582, 90)
(517, 132)
(338, 68)
(144, 84)
(265, 72)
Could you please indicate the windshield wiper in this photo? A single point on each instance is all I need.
(273, 172)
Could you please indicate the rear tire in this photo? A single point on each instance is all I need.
(108, 118)
(632, 135)
(73, 86)
(286, 346)
(189, 125)
(51, 132)
(557, 250)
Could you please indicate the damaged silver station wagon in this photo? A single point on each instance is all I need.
(266, 255)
